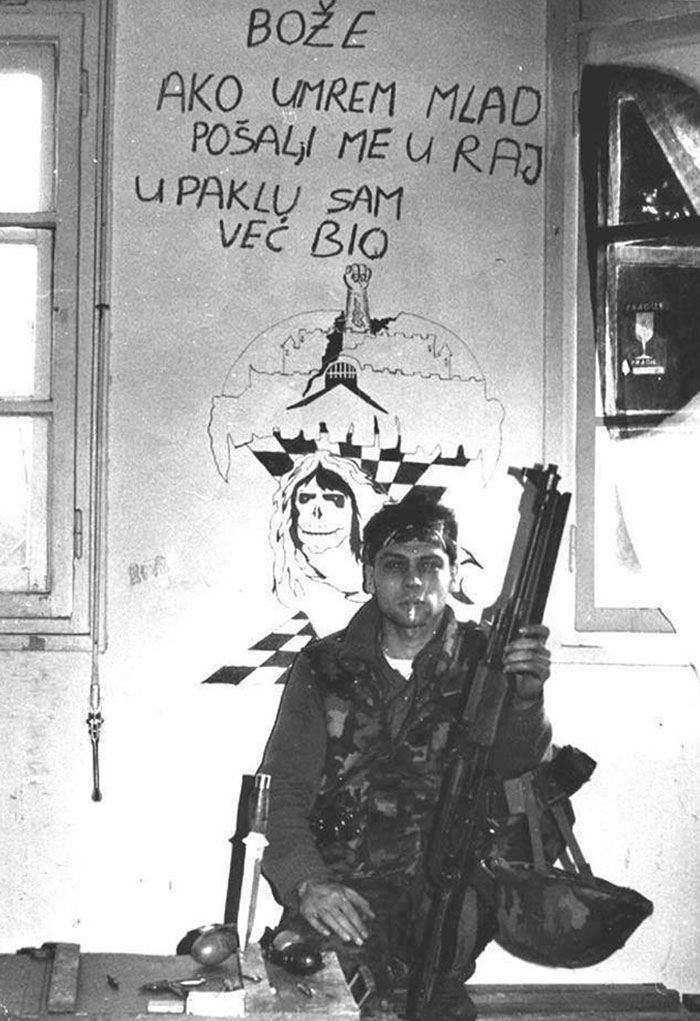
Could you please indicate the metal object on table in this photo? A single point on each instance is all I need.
(290, 950)
(179, 987)
(362, 984)
(213, 944)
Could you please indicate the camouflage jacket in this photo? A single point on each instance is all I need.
(357, 753)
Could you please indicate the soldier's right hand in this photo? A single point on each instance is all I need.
(334, 909)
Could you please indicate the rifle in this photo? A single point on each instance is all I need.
(453, 850)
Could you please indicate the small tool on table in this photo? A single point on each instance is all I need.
(177, 986)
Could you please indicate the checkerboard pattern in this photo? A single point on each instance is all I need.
(393, 470)
(269, 660)
(396, 471)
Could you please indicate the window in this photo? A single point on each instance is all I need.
(625, 188)
(51, 304)
(641, 174)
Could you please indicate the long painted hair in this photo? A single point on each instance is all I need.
(292, 570)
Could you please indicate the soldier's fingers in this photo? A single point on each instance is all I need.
(534, 631)
(522, 657)
(529, 665)
(359, 901)
(535, 674)
(336, 928)
(521, 652)
(341, 925)
(314, 920)
(528, 645)
(527, 642)
(529, 686)
(352, 918)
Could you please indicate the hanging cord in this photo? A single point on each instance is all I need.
(94, 718)
(99, 398)
(94, 722)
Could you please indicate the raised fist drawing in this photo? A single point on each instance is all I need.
(357, 277)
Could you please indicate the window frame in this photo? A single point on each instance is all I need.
(67, 615)
(589, 633)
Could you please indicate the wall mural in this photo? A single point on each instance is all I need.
(322, 136)
(338, 406)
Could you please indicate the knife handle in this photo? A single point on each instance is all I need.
(260, 803)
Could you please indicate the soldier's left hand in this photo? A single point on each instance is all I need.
(528, 658)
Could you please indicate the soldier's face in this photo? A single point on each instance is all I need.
(411, 582)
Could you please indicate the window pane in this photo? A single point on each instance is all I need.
(26, 127)
(23, 504)
(654, 336)
(649, 189)
(25, 313)
(619, 579)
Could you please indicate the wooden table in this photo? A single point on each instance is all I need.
(58, 979)
(62, 981)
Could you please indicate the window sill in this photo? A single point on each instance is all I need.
(604, 648)
(45, 643)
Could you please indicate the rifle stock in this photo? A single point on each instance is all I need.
(453, 847)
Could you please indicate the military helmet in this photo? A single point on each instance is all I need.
(561, 919)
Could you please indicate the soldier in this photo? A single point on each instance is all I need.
(358, 751)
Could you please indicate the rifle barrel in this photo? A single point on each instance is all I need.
(454, 842)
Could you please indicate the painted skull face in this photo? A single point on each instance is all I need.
(324, 517)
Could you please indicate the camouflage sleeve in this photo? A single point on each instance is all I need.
(294, 758)
(523, 742)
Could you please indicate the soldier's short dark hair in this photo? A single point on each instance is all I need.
(416, 518)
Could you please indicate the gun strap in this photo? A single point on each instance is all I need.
(524, 796)
(572, 843)
(533, 811)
